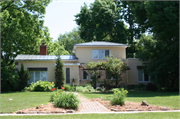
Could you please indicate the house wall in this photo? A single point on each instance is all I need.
(74, 73)
(84, 54)
(132, 73)
(101, 79)
(50, 65)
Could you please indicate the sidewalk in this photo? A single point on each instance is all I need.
(91, 106)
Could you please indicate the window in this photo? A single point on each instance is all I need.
(37, 75)
(108, 77)
(86, 75)
(142, 76)
(67, 75)
(100, 54)
(16, 69)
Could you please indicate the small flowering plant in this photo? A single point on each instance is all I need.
(53, 89)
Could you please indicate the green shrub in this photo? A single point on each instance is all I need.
(65, 100)
(54, 95)
(40, 86)
(81, 89)
(151, 87)
(140, 87)
(72, 89)
(118, 96)
(67, 87)
(103, 89)
(89, 88)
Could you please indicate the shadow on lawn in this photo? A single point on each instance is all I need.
(142, 94)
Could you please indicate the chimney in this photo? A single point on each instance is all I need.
(43, 49)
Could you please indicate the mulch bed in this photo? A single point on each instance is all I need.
(45, 109)
(130, 106)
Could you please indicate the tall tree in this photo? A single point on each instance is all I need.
(68, 40)
(21, 27)
(133, 31)
(101, 22)
(162, 19)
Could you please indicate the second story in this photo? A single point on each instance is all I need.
(98, 50)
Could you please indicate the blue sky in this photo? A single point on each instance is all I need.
(59, 17)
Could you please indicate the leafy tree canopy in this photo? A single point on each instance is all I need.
(101, 22)
(162, 50)
(68, 40)
(22, 29)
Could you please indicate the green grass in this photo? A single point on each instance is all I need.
(22, 100)
(149, 115)
(168, 99)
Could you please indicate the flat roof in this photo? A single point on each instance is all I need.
(44, 57)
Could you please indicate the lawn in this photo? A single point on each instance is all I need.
(22, 100)
(149, 115)
(168, 99)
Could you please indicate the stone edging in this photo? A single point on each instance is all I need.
(43, 112)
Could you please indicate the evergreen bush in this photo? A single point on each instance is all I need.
(24, 76)
(59, 73)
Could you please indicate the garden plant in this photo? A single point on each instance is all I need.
(41, 86)
(64, 100)
(118, 97)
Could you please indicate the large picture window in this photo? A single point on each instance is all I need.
(142, 76)
(100, 54)
(37, 75)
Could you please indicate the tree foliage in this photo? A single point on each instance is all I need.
(162, 50)
(9, 78)
(101, 22)
(21, 27)
(59, 73)
(68, 40)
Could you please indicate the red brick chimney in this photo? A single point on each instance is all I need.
(43, 49)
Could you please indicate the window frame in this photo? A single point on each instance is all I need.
(142, 77)
(99, 55)
(69, 75)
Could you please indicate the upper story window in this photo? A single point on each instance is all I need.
(100, 54)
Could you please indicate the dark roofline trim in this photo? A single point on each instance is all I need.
(38, 69)
(45, 60)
